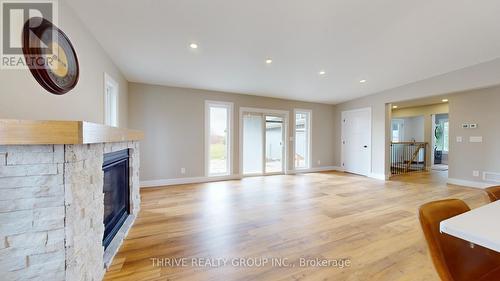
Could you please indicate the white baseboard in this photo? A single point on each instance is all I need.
(177, 181)
(338, 169)
(313, 170)
(378, 176)
(475, 184)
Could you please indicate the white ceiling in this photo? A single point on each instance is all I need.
(387, 42)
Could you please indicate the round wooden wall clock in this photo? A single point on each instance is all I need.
(50, 56)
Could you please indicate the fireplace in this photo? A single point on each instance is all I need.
(116, 193)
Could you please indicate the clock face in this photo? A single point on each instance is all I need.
(50, 56)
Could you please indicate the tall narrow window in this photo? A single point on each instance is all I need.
(110, 101)
(446, 135)
(218, 138)
(302, 157)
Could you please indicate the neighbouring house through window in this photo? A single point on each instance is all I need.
(302, 157)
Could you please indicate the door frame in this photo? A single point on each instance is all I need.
(281, 113)
(342, 154)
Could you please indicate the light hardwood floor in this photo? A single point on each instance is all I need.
(325, 215)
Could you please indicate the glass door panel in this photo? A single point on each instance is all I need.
(253, 139)
(274, 144)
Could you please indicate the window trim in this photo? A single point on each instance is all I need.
(109, 80)
(229, 161)
(309, 137)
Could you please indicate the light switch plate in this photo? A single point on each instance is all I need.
(475, 173)
(473, 126)
(459, 139)
(476, 139)
(465, 126)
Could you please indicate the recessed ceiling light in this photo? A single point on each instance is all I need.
(269, 61)
(444, 100)
(394, 106)
(193, 46)
(322, 72)
(362, 81)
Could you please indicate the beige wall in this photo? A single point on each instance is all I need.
(478, 76)
(473, 106)
(427, 112)
(173, 121)
(481, 107)
(21, 97)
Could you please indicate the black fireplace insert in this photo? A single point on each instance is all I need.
(116, 193)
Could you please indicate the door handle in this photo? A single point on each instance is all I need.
(365, 146)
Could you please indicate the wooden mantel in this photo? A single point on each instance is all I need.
(26, 132)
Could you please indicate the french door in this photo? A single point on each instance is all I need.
(263, 139)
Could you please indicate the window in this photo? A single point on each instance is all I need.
(397, 130)
(110, 101)
(446, 132)
(218, 118)
(441, 135)
(302, 157)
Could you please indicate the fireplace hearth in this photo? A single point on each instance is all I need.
(116, 190)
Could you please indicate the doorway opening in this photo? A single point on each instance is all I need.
(263, 139)
(408, 146)
(419, 136)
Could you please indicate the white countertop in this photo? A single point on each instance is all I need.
(480, 226)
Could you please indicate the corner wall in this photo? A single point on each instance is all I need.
(21, 97)
(480, 107)
(474, 77)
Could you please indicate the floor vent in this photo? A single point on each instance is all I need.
(491, 177)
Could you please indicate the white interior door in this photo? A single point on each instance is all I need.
(356, 141)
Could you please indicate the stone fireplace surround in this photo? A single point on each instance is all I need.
(52, 208)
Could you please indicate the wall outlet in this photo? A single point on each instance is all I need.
(319, 162)
(475, 173)
(183, 171)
